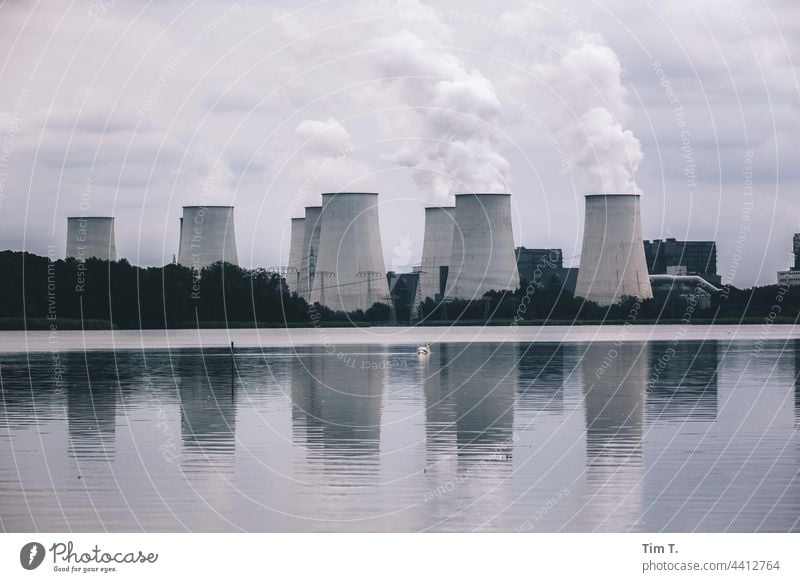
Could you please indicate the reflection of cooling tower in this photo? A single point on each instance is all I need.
(436, 249)
(207, 236)
(469, 399)
(295, 254)
(613, 264)
(310, 249)
(482, 258)
(615, 377)
(336, 402)
(91, 237)
(208, 410)
(349, 272)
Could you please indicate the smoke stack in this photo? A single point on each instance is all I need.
(91, 237)
(295, 254)
(349, 272)
(483, 247)
(436, 249)
(310, 250)
(207, 236)
(613, 265)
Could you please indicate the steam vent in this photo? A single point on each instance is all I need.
(349, 271)
(207, 236)
(91, 237)
(482, 256)
(613, 264)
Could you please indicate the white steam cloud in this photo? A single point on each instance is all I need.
(583, 76)
(449, 126)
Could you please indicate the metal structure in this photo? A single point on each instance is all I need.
(310, 249)
(437, 246)
(91, 237)
(295, 267)
(207, 236)
(350, 253)
(482, 257)
(613, 264)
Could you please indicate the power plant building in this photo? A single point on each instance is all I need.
(207, 236)
(791, 277)
(91, 237)
(295, 267)
(349, 273)
(437, 247)
(674, 257)
(482, 258)
(613, 264)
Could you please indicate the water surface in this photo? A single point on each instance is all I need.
(600, 436)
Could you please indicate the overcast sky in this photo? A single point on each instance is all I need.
(133, 109)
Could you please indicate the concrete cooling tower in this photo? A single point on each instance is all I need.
(295, 254)
(309, 250)
(613, 265)
(349, 272)
(91, 237)
(436, 249)
(207, 236)
(483, 257)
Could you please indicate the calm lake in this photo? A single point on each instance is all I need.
(634, 435)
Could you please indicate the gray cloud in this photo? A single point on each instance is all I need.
(143, 105)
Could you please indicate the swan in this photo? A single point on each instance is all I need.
(424, 350)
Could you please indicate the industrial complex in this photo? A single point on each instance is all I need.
(336, 257)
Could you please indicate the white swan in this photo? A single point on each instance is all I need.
(424, 350)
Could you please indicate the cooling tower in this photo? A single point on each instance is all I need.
(613, 265)
(436, 249)
(483, 257)
(207, 236)
(91, 237)
(309, 250)
(295, 254)
(349, 272)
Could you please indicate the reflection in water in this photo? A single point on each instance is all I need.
(208, 418)
(614, 382)
(541, 377)
(797, 382)
(336, 401)
(683, 382)
(208, 407)
(91, 388)
(469, 400)
(475, 437)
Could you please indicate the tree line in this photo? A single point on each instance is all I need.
(37, 292)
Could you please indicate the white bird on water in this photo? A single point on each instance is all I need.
(424, 350)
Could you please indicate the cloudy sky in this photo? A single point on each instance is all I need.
(133, 109)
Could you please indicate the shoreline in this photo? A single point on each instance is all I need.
(97, 340)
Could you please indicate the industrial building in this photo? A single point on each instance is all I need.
(791, 277)
(674, 257)
(207, 236)
(404, 293)
(437, 246)
(294, 269)
(91, 237)
(349, 272)
(310, 249)
(482, 257)
(544, 268)
(613, 264)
